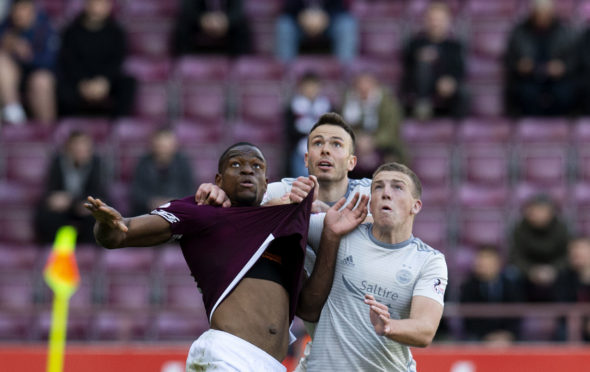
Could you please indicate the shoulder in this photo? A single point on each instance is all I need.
(360, 183)
(423, 248)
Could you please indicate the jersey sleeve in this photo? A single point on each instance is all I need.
(274, 190)
(433, 279)
(316, 225)
(184, 215)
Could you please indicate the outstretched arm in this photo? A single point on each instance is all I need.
(111, 230)
(418, 330)
(337, 223)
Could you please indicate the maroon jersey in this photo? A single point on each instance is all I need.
(221, 244)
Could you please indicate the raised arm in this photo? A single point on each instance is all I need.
(337, 223)
(111, 230)
(418, 330)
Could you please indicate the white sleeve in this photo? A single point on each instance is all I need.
(316, 225)
(433, 279)
(274, 190)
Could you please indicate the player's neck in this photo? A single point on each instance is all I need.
(389, 235)
(331, 192)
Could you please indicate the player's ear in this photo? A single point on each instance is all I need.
(416, 207)
(351, 162)
(218, 179)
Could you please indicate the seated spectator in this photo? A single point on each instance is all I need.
(161, 175)
(376, 116)
(74, 173)
(304, 110)
(574, 280)
(539, 247)
(28, 46)
(539, 64)
(489, 282)
(308, 21)
(90, 65)
(211, 27)
(434, 68)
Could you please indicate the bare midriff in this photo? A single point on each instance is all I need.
(257, 310)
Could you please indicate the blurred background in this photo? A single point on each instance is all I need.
(133, 101)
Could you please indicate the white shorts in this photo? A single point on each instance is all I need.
(223, 352)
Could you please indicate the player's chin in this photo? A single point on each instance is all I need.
(247, 197)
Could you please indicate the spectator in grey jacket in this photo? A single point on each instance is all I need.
(161, 175)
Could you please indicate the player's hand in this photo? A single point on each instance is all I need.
(301, 188)
(211, 194)
(105, 214)
(379, 315)
(340, 221)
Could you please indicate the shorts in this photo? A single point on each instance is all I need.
(220, 351)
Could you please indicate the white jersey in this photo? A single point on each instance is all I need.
(345, 339)
(276, 190)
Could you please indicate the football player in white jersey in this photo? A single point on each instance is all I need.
(388, 287)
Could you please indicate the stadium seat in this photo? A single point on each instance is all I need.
(436, 195)
(543, 164)
(128, 291)
(151, 96)
(263, 8)
(478, 9)
(580, 197)
(131, 138)
(25, 163)
(133, 10)
(379, 37)
(17, 289)
(580, 131)
(388, 72)
(32, 132)
(471, 195)
(433, 131)
(119, 192)
(127, 261)
(98, 129)
(16, 325)
(202, 69)
(79, 325)
(149, 37)
(484, 163)
(484, 130)
(328, 68)
(483, 69)
(531, 130)
(432, 163)
(260, 104)
(83, 298)
(18, 257)
(182, 293)
(377, 8)
(523, 191)
(488, 39)
(257, 68)
(431, 227)
(16, 224)
(582, 222)
(477, 226)
(486, 100)
(203, 102)
(191, 133)
(583, 163)
(171, 262)
(263, 36)
(176, 325)
(112, 325)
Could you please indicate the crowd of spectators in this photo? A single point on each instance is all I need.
(46, 73)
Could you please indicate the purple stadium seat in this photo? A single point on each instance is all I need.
(203, 102)
(535, 329)
(171, 262)
(204, 159)
(484, 130)
(25, 163)
(258, 132)
(581, 130)
(255, 68)
(377, 8)
(193, 132)
(328, 68)
(87, 255)
(543, 164)
(260, 104)
(379, 37)
(531, 130)
(176, 325)
(582, 222)
(182, 293)
(98, 129)
(491, 9)
(488, 39)
(132, 291)
(387, 71)
(151, 100)
(109, 325)
(119, 191)
(148, 69)
(16, 325)
(25, 133)
(583, 163)
(18, 257)
(432, 131)
(133, 10)
(580, 197)
(523, 191)
(431, 226)
(436, 195)
(583, 11)
(17, 289)
(202, 69)
(471, 195)
(432, 164)
(79, 325)
(15, 224)
(486, 100)
(129, 260)
(82, 299)
(479, 226)
(17, 193)
(131, 138)
(263, 8)
(263, 36)
(483, 69)
(485, 164)
(149, 37)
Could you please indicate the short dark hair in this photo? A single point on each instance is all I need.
(309, 76)
(398, 167)
(223, 156)
(332, 118)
